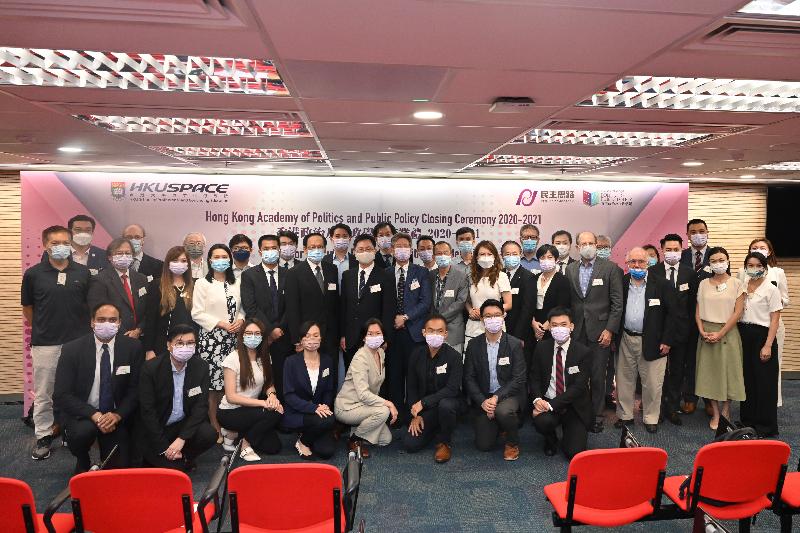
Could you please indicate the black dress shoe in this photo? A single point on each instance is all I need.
(651, 428)
(620, 422)
(675, 418)
(610, 403)
(597, 427)
(550, 446)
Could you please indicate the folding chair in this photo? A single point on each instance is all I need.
(18, 511)
(787, 501)
(351, 477)
(609, 488)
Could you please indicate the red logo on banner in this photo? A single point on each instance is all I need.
(526, 197)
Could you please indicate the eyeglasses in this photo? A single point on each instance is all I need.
(183, 344)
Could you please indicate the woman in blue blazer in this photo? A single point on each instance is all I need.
(308, 389)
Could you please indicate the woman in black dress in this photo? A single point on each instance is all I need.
(552, 289)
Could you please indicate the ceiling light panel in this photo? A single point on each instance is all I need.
(772, 8)
(703, 94)
(610, 138)
(147, 72)
(792, 166)
(196, 152)
(550, 161)
(199, 126)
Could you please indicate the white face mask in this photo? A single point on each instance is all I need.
(589, 251)
(82, 239)
(719, 268)
(486, 261)
(762, 251)
(563, 250)
(365, 258)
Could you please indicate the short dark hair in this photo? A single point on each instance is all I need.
(436, 316)
(340, 225)
(230, 277)
(81, 218)
(383, 224)
(761, 259)
(314, 234)
(671, 237)
(463, 230)
(425, 238)
(491, 302)
(307, 325)
(364, 237)
(54, 229)
(561, 232)
(696, 221)
(371, 322)
(449, 246)
(720, 250)
(114, 245)
(543, 249)
(97, 307)
(528, 226)
(239, 238)
(292, 236)
(267, 237)
(397, 236)
(560, 311)
(180, 329)
(515, 243)
(650, 247)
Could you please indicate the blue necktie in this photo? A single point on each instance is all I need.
(106, 402)
(274, 290)
(361, 283)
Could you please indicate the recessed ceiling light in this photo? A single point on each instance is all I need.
(519, 171)
(747, 176)
(784, 166)
(70, 149)
(265, 166)
(428, 115)
(200, 126)
(551, 161)
(610, 138)
(421, 100)
(692, 163)
(204, 152)
(772, 8)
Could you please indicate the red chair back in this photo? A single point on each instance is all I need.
(13, 495)
(617, 478)
(131, 500)
(740, 471)
(285, 496)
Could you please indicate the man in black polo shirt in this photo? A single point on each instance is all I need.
(54, 304)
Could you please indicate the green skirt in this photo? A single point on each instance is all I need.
(719, 366)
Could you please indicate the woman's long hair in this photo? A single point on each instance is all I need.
(477, 272)
(246, 377)
(168, 297)
(771, 261)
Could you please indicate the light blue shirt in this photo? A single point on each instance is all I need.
(532, 264)
(178, 376)
(634, 308)
(492, 348)
(585, 275)
(342, 265)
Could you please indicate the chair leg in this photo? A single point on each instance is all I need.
(786, 523)
(744, 525)
(699, 525)
(566, 529)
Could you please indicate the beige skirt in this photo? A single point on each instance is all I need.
(719, 366)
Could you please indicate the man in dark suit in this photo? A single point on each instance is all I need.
(96, 389)
(649, 328)
(83, 251)
(434, 391)
(562, 240)
(383, 233)
(144, 264)
(263, 294)
(494, 380)
(367, 292)
(523, 297)
(449, 292)
(596, 312)
(126, 289)
(343, 260)
(173, 404)
(559, 382)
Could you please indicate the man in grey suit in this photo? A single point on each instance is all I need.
(597, 310)
(450, 287)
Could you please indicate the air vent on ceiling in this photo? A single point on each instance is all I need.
(753, 37)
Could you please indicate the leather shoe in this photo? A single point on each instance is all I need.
(675, 418)
(688, 408)
(353, 445)
(620, 422)
(597, 427)
(443, 453)
(511, 452)
(550, 447)
(651, 428)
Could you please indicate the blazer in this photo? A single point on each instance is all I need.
(576, 384)
(685, 298)
(106, 287)
(256, 299)
(298, 398)
(416, 297)
(380, 262)
(523, 302)
(362, 382)
(511, 376)
(351, 260)
(97, 260)
(156, 325)
(209, 302)
(378, 301)
(76, 370)
(661, 315)
(447, 380)
(456, 292)
(150, 267)
(601, 308)
(305, 301)
(687, 257)
(156, 388)
(558, 294)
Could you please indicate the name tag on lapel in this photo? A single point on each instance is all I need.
(142, 291)
(149, 279)
(414, 285)
(331, 286)
(61, 279)
(93, 271)
(504, 361)
(597, 282)
(194, 391)
(573, 370)
(441, 369)
(654, 301)
(374, 288)
(326, 372)
(514, 290)
(123, 369)
(683, 287)
(450, 293)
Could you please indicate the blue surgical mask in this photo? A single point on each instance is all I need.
(60, 251)
(220, 265)
(252, 341)
(137, 245)
(315, 254)
(652, 261)
(638, 273)
(270, 257)
(511, 261)
(466, 247)
(443, 261)
(604, 253)
(529, 245)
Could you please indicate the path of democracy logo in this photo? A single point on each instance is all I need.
(591, 198)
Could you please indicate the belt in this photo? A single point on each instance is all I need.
(632, 333)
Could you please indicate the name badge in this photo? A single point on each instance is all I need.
(122, 370)
(62, 278)
(573, 370)
(683, 287)
(194, 391)
(596, 282)
(450, 293)
(374, 288)
(441, 369)
(331, 286)
(654, 301)
(514, 290)
(707, 268)
(326, 372)
(149, 279)
(504, 361)
(535, 271)
(142, 291)
(414, 285)
(721, 287)
(93, 271)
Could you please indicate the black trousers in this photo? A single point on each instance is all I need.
(397, 370)
(690, 366)
(256, 424)
(278, 352)
(600, 357)
(506, 418)
(204, 438)
(574, 434)
(760, 409)
(316, 434)
(674, 378)
(81, 434)
(439, 422)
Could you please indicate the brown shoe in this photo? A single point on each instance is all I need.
(443, 453)
(353, 445)
(511, 452)
(688, 408)
(56, 431)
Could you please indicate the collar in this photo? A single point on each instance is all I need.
(314, 265)
(175, 370)
(589, 264)
(267, 268)
(512, 272)
(701, 250)
(140, 255)
(500, 338)
(564, 347)
(404, 267)
(120, 274)
(368, 269)
(99, 344)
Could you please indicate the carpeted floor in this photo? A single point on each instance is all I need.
(474, 492)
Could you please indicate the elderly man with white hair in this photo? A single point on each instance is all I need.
(650, 325)
(195, 244)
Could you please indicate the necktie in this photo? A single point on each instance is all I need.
(672, 275)
(440, 283)
(130, 297)
(388, 260)
(320, 281)
(135, 265)
(698, 261)
(286, 264)
(362, 282)
(106, 400)
(273, 288)
(561, 266)
(559, 372)
(401, 290)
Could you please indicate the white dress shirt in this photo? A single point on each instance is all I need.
(551, 388)
(94, 393)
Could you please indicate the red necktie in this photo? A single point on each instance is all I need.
(130, 297)
(698, 261)
(559, 372)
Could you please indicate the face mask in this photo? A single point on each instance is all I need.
(121, 262)
(762, 251)
(720, 268)
(341, 244)
(60, 251)
(365, 258)
(443, 261)
(316, 255)
(426, 255)
(560, 334)
(287, 251)
(311, 345)
(402, 254)
(178, 267)
(241, 255)
(194, 250)
(465, 247)
(604, 253)
(105, 330)
(755, 273)
(638, 273)
(493, 324)
(589, 252)
(511, 261)
(374, 341)
(385, 242)
(486, 261)
(220, 265)
(651, 261)
(252, 341)
(137, 245)
(434, 340)
(82, 239)
(183, 353)
(563, 250)
(547, 265)
(672, 258)
(270, 257)
(529, 245)
(699, 239)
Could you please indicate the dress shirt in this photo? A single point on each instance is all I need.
(585, 271)
(178, 377)
(341, 264)
(492, 349)
(530, 264)
(94, 393)
(668, 268)
(634, 308)
(81, 258)
(267, 270)
(551, 387)
(137, 260)
(238, 271)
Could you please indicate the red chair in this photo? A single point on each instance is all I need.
(18, 511)
(609, 488)
(731, 480)
(788, 501)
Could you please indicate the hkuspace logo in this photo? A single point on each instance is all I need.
(526, 197)
(162, 191)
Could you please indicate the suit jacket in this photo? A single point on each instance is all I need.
(298, 398)
(305, 301)
(511, 376)
(155, 399)
(97, 260)
(363, 382)
(661, 315)
(416, 297)
(351, 260)
(150, 267)
(378, 301)
(449, 375)
(257, 303)
(576, 384)
(559, 294)
(381, 263)
(601, 308)
(456, 292)
(523, 302)
(106, 287)
(687, 257)
(685, 298)
(76, 370)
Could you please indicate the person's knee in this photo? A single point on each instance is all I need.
(412, 444)
(448, 406)
(205, 436)
(327, 423)
(381, 413)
